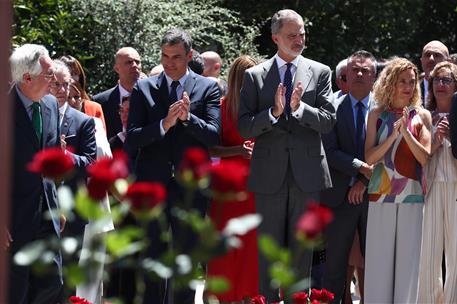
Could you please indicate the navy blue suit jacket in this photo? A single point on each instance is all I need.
(110, 100)
(30, 191)
(340, 147)
(149, 104)
(81, 144)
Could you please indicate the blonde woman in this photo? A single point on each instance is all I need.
(440, 211)
(398, 145)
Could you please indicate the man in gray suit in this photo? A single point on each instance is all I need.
(344, 147)
(285, 104)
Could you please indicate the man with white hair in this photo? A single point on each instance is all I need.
(36, 127)
(340, 79)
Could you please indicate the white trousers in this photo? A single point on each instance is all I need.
(439, 234)
(392, 252)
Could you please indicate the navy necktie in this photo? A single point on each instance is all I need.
(360, 131)
(173, 93)
(289, 88)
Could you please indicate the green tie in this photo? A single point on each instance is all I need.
(36, 120)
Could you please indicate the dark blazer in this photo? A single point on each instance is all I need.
(81, 144)
(340, 147)
(30, 191)
(149, 104)
(110, 100)
(297, 141)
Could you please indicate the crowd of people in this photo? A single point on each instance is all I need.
(380, 153)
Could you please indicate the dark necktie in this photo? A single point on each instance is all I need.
(360, 131)
(37, 121)
(289, 88)
(173, 93)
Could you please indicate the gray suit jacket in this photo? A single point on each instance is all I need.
(297, 140)
(340, 148)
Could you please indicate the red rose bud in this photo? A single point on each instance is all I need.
(104, 172)
(195, 160)
(51, 163)
(259, 299)
(314, 220)
(229, 176)
(144, 196)
(323, 295)
(300, 298)
(78, 300)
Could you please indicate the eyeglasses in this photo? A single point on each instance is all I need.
(49, 75)
(75, 98)
(58, 85)
(443, 80)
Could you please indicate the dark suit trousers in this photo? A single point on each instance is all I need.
(347, 218)
(27, 287)
(280, 212)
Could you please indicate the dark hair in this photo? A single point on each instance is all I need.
(197, 64)
(76, 69)
(365, 55)
(176, 36)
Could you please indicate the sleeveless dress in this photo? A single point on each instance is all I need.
(394, 225)
(239, 266)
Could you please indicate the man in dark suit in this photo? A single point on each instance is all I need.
(77, 137)
(345, 146)
(285, 104)
(433, 53)
(128, 66)
(169, 113)
(453, 125)
(36, 127)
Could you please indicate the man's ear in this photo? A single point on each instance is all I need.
(217, 66)
(116, 68)
(189, 55)
(274, 38)
(26, 78)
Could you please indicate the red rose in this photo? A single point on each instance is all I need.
(196, 161)
(229, 176)
(52, 163)
(144, 196)
(300, 298)
(323, 295)
(314, 220)
(259, 299)
(104, 172)
(78, 300)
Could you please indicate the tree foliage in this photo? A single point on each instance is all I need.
(92, 30)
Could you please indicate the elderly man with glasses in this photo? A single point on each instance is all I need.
(36, 127)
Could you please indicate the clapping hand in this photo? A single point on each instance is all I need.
(246, 149)
(280, 101)
(296, 97)
(442, 129)
(184, 107)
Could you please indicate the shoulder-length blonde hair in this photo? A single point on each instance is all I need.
(384, 87)
(431, 106)
(235, 81)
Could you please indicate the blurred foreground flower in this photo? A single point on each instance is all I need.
(194, 167)
(52, 163)
(228, 180)
(321, 296)
(144, 197)
(259, 299)
(300, 298)
(313, 222)
(104, 172)
(78, 300)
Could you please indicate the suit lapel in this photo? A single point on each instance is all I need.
(66, 122)
(164, 94)
(348, 117)
(189, 84)
(46, 116)
(23, 121)
(303, 74)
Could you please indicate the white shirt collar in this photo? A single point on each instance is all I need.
(123, 92)
(365, 100)
(281, 62)
(181, 80)
(63, 108)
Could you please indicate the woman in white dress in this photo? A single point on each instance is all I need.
(92, 289)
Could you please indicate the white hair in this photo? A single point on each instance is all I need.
(61, 67)
(26, 59)
(343, 63)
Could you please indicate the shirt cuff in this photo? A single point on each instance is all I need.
(162, 130)
(298, 114)
(273, 119)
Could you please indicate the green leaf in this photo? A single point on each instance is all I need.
(87, 208)
(217, 284)
(30, 253)
(269, 247)
(282, 275)
(74, 274)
